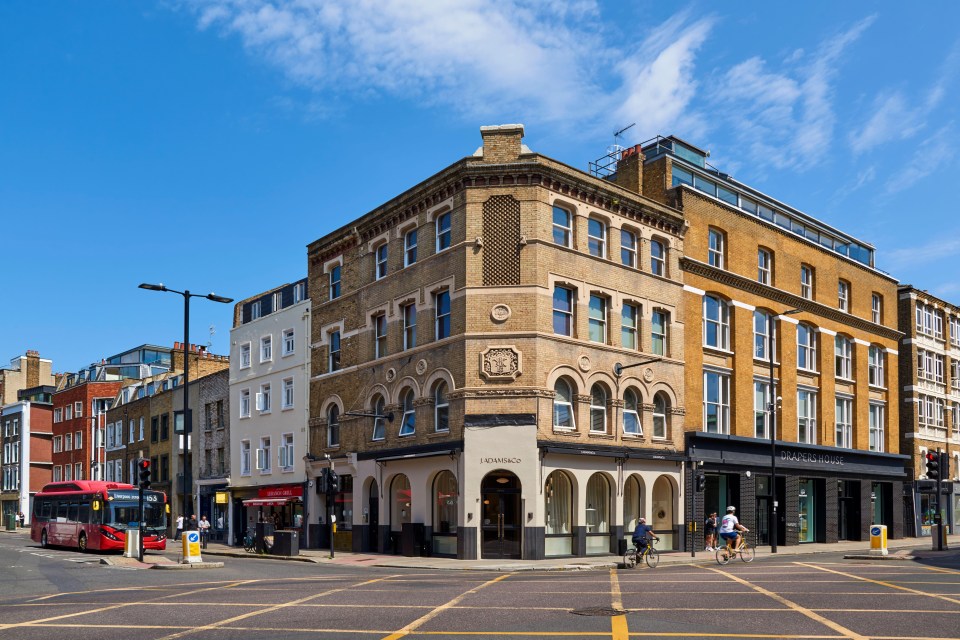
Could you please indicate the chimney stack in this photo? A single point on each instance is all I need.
(33, 369)
(501, 143)
(629, 173)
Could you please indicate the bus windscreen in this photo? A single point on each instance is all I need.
(122, 510)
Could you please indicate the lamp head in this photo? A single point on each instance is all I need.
(152, 287)
(216, 298)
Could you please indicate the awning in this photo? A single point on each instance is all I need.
(268, 502)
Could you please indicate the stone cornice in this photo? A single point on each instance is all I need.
(789, 300)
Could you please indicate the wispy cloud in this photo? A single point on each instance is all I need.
(929, 155)
(536, 58)
(785, 116)
(947, 245)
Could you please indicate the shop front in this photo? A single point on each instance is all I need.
(821, 494)
(214, 502)
(279, 506)
(926, 506)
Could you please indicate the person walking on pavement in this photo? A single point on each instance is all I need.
(204, 526)
(710, 531)
(192, 523)
(179, 531)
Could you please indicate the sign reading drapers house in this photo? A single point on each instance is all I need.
(814, 458)
(501, 460)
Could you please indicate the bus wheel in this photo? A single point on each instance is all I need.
(82, 543)
(43, 539)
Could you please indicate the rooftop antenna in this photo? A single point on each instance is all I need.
(213, 331)
(616, 147)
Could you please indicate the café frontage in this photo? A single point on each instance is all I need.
(821, 494)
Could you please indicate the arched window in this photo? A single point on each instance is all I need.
(631, 413)
(399, 502)
(563, 406)
(441, 407)
(333, 426)
(632, 504)
(597, 238)
(598, 514)
(660, 406)
(379, 424)
(562, 227)
(445, 497)
(558, 524)
(408, 425)
(598, 409)
(716, 323)
(806, 347)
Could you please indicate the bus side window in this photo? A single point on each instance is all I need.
(45, 509)
(83, 517)
(62, 510)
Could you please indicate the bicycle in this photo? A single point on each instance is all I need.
(634, 556)
(745, 551)
(249, 542)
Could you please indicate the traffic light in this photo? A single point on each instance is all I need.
(933, 465)
(333, 482)
(701, 481)
(322, 482)
(143, 466)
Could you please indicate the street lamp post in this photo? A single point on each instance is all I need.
(772, 408)
(187, 507)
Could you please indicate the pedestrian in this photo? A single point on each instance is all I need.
(277, 521)
(710, 531)
(204, 526)
(23, 519)
(192, 523)
(179, 531)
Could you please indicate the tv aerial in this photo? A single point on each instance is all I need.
(616, 147)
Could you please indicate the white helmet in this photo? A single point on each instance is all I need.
(731, 509)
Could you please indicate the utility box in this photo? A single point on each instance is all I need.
(878, 540)
(131, 547)
(938, 534)
(286, 542)
(10, 521)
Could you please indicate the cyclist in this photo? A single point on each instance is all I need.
(641, 534)
(730, 529)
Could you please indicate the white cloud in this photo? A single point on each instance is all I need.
(543, 59)
(785, 116)
(946, 246)
(929, 156)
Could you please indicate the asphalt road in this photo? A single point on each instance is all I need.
(67, 595)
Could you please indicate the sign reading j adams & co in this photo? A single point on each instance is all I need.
(500, 460)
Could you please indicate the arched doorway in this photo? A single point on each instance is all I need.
(558, 529)
(445, 497)
(373, 516)
(632, 505)
(501, 523)
(663, 511)
(400, 497)
(598, 514)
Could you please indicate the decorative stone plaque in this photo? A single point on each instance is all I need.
(501, 362)
(421, 367)
(500, 313)
(391, 374)
(648, 374)
(584, 363)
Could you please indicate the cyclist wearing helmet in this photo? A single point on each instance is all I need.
(730, 528)
(642, 533)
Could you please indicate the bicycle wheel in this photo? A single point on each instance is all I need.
(652, 557)
(723, 556)
(630, 558)
(747, 553)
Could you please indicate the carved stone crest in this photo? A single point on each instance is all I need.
(648, 374)
(421, 367)
(501, 313)
(584, 363)
(391, 374)
(501, 362)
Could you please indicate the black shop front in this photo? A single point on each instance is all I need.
(821, 494)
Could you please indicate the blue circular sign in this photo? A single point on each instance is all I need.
(874, 531)
(193, 536)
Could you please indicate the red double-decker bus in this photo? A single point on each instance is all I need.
(88, 514)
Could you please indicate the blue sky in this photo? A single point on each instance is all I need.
(204, 144)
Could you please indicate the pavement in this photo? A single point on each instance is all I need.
(902, 549)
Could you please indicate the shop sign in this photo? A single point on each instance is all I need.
(222, 497)
(288, 491)
(815, 458)
(500, 460)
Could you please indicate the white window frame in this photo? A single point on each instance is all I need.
(335, 276)
(441, 403)
(564, 230)
(380, 335)
(569, 404)
(721, 323)
(245, 469)
(876, 308)
(875, 366)
(843, 295)
(807, 416)
(264, 404)
(264, 462)
(288, 394)
(764, 266)
(716, 248)
(408, 313)
(410, 247)
(379, 424)
(256, 310)
(630, 326)
(806, 282)
(245, 359)
(598, 412)
(597, 322)
(285, 452)
(877, 417)
(571, 297)
(439, 317)
(266, 348)
(78, 409)
(596, 237)
(761, 408)
(409, 414)
(333, 426)
(763, 344)
(658, 264)
(245, 403)
(628, 250)
(843, 419)
(633, 413)
(443, 231)
(663, 337)
(380, 257)
(843, 357)
(722, 404)
(289, 341)
(334, 363)
(807, 350)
